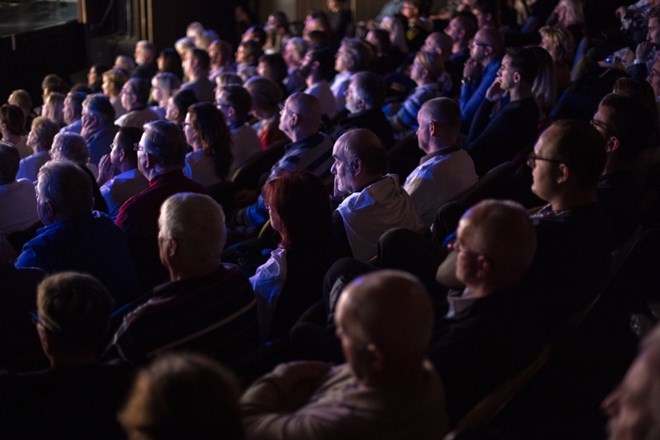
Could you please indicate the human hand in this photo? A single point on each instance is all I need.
(106, 170)
(643, 51)
(495, 91)
(472, 70)
(621, 12)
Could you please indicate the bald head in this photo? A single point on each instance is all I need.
(389, 311)
(307, 110)
(440, 43)
(501, 232)
(445, 112)
(363, 145)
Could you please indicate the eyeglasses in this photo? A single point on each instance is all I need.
(474, 43)
(138, 147)
(532, 158)
(600, 124)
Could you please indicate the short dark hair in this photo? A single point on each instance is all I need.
(630, 122)
(127, 137)
(201, 56)
(13, 117)
(370, 87)
(326, 59)
(582, 148)
(240, 100)
(74, 308)
(183, 100)
(9, 161)
(525, 62)
(276, 64)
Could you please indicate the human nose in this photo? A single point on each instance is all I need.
(333, 168)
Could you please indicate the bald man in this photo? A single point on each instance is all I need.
(488, 334)
(384, 391)
(309, 150)
(374, 200)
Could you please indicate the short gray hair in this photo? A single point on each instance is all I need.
(66, 186)
(166, 142)
(197, 222)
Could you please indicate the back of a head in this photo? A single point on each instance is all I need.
(166, 143)
(503, 231)
(276, 66)
(74, 308)
(202, 58)
(370, 87)
(184, 99)
(392, 310)
(432, 62)
(302, 204)
(100, 105)
(22, 99)
(444, 112)
(359, 53)
(197, 222)
(240, 99)
(66, 186)
(141, 89)
(582, 148)
(266, 95)
(183, 396)
(363, 144)
(442, 42)
(494, 38)
(9, 161)
(561, 42)
(308, 109)
(71, 146)
(214, 135)
(631, 122)
(13, 117)
(45, 130)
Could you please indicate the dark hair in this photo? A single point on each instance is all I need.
(183, 100)
(259, 34)
(302, 204)
(638, 90)
(127, 137)
(171, 61)
(252, 51)
(74, 308)
(9, 161)
(370, 87)
(141, 89)
(326, 59)
(13, 117)
(202, 57)
(166, 142)
(214, 135)
(276, 65)
(318, 39)
(582, 148)
(239, 99)
(525, 62)
(629, 121)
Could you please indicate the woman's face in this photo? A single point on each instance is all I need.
(171, 111)
(109, 88)
(189, 131)
(157, 92)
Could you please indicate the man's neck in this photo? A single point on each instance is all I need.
(193, 270)
(576, 199)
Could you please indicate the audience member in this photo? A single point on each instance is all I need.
(235, 102)
(196, 67)
(95, 77)
(293, 53)
(247, 58)
(177, 106)
(72, 112)
(113, 82)
(161, 158)
(375, 201)
(384, 391)
(145, 58)
(489, 332)
(292, 278)
(53, 107)
(273, 67)
(119, 176)
(76, 397)
(365, 97)
(479, 72)
(135, 100)
(353, 56)
(317, 69)
(163, 86)
(209, 136)
(22, 99)
(183, 396)
(446, 170)
(98, 128)
(40, 139)
(266, 98)
(170, 61)
(12, 121)
(75, 237)
(492, 139)
(206, 306)
(17, 196)
(220, 59)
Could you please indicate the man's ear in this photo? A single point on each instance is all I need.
(484, 266)
(376, 358)
(563, 173)
(612, 144)
(516, 77)
(356, 166)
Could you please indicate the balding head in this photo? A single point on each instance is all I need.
(439, 122)
(301, 116)
(440, 43)
(496, 245)
(384, 320)
(360, 159)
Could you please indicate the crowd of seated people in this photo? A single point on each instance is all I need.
(208, 205)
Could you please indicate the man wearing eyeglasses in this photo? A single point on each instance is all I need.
(479, 72)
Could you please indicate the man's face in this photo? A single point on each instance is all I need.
(241, 55)
(654, 77)
(139, 54)
(285, 119)
(478, 49)
(115, 152)
(505, 74)
(543, 171)
(67, 110)
(654, 31)
(409, 10)
(43, 210)
(453, 29)
(215, 55)
(343, 169)
(629, 407)
(171, 111)
(341, 60)
(601, 120)
(354, 350)
(89, 123)
(423, 131)
(352, 102)
(467, 266)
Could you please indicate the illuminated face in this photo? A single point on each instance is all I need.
(654, 31)
(343, 169)
(544, 171)
(127, 96)
(479, 47)
(189, 131)
(157, 92)
(171, 111)
(467, 267)
(353, 104)
(68, 111)
(108, 88)
(506, 74)
(341, 60)
(423, 131)
(453, 30)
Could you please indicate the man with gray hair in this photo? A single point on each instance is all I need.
(135, 100)
(385, 390)
(75, 237)
(374, 200)
(206, 306)
(145, 58)
(365, 96)
(161, 157)
(98, 126)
